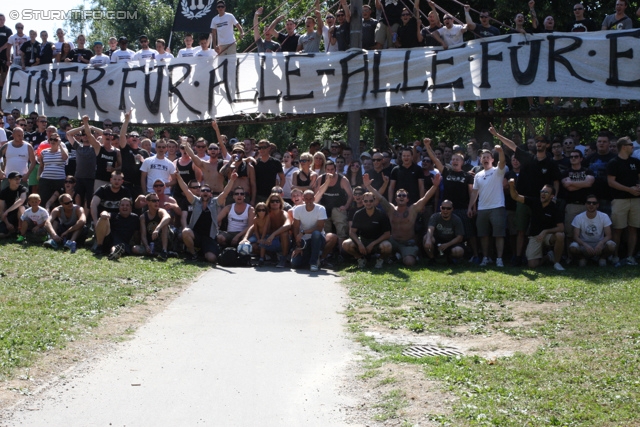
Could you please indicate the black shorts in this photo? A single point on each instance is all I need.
(206, 244)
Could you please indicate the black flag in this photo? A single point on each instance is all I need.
(194, 16)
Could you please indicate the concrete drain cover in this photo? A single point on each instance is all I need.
(430, 350)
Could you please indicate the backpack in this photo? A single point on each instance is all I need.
(231, 258)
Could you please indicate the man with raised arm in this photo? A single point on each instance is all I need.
(203, 225)
(132, 157)
(266, 44)
(211, 169)
(492, 216)
(403, 217)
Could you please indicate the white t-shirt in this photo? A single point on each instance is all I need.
(145, 54)
(100, 60)
(17, 41)
(327, 41)
(309, 220)
(122, 56)
(158, 169)
(591, 229)
(59, 46)
(224, 26)
(209, 53)
(3, 136)
(489, 186)
(164, 56)
(453, 35)
(39, 217)
(188, 52)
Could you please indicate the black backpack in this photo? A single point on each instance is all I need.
(231, 258)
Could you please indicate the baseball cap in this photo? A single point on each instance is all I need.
(14, 174)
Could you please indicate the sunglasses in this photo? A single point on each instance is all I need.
(205, 190)
(401, 195)
(264, 147)
(108, 126)
(238, 194)
(69, 182)
(275, 201)
(261, 210)
(444, 208)
(304, 161)
(377, 160)
(195, 188)
(368, 201)
(158, 185)
(591, 203)
(574, 157)
(67, 203)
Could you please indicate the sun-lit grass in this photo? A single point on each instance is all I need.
(48, 298)
(584, 374)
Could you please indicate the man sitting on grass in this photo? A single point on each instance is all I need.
(154, 223)
(12, 201)
(445, 234)
(117, 231)
(592, 235)
(66, 224)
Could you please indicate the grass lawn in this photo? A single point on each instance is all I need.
(48, 298)
(584, 373)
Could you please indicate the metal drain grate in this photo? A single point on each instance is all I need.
(430, 350)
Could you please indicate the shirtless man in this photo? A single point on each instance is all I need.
(210, 169)
(403, 218)
(244, 168)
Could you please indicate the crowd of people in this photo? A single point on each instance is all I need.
(392, 24)
(121, 192)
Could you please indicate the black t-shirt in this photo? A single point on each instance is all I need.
(342, 33)
(509, 203)
(102, 159)
(427, 38)
(352, 211)
(542, 217)
(110, 201)
(409, 179)
(369, 33)
(576, 196)
(408, 34)
(35, 138)
(202, 227)
(5, 33)
(446, 230)
(583, 26)
(288, 43)
(370, 227)
(130, 169)
(534, 173)
(78, 53)
(598, 165)
(46, 53)
(123, 228)
(626, 172)
(9, 197)
(31, 52)
(377, 180)
(266, 173)
(489, 31)
(456, 187)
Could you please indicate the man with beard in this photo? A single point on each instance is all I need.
(107, 198)
(403, 217)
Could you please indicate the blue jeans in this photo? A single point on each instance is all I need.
(311, 253)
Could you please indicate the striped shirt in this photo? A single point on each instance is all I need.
(53, 165)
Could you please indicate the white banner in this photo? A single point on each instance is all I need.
(603, 64)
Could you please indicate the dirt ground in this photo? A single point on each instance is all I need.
(421, 398)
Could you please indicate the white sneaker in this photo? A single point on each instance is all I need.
(584, 105)
(624, 102)
(314, 268)
(462, 110)
(631, 261)
(362, 262)
(567, 104)
(499, 262)
(450, 107)
(558, 267)
(598, 104)
(379, 263)
(486, 261)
